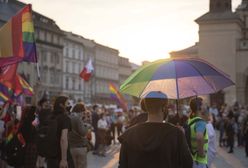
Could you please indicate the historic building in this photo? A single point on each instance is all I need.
(125, 71)
(62, 56)
(106, 71)
(223, 41)
(73, 61)
(89, 53)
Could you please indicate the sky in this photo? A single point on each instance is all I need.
(140, 29)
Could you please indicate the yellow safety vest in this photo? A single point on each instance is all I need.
(196, 158)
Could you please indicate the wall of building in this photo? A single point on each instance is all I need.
(217, 44)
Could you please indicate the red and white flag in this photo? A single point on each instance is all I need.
(87, 71)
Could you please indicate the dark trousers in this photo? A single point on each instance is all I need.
(52, 163)
(97, 140)
(246, 145)
(119, 129)
(231, 142)
(221, 138)
(112, 129)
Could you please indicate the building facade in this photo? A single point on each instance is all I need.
(73, 61)
(89, 86)
(125, 70)
(223, 42)
(106, 71)
(62, 56)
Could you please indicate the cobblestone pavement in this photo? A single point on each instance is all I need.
(233, 160)
(110, 161)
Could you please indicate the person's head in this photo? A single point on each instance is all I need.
(95, 107)
(195, 105)
(60, 105)
(44, 103)
(155, 102)
(28, 114)
(79, 108)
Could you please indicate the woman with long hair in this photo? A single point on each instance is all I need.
(28, 132)
(63, 126)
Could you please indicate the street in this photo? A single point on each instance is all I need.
(223, 159)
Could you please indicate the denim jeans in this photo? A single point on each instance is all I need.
(199, 165)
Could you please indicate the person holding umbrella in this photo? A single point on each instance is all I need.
(154, 143)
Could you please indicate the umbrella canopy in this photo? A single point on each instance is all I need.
(177, 78)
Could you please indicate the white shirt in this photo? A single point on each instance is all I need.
(102, 124)
(214, 111)
(211, 138)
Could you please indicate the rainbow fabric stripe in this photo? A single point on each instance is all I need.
(115, 94)
(26, 88)
(3, 97)
(17, 41)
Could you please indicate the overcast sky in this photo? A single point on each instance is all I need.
(139, 29)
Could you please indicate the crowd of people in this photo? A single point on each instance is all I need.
(146, 143)
(58, 134)
(61, 133)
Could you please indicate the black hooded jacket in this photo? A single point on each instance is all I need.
(154, 145)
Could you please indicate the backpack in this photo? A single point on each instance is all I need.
(14, 150)
(46, 138)
(187, 131)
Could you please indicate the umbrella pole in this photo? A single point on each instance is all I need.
(177, 115)
(177, 106)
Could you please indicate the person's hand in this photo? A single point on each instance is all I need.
(63, 164)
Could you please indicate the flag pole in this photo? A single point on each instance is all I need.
(38, 70)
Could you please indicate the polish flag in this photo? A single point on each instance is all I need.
(87, 71)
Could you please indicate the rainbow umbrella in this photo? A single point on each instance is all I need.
(177, 78)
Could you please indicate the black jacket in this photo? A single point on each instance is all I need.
(154, 145)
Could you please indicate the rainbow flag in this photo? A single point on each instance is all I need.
(17, 41)
(26, 88)
(115, 94)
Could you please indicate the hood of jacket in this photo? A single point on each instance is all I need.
(148, 136)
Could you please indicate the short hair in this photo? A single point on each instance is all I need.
(79, 108)
(142, 105)
(95, 107)
(42, 101)
(195, 104)
(154, 104)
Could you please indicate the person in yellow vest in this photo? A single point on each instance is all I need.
(198, 133)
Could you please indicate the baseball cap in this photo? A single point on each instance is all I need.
(156, 95)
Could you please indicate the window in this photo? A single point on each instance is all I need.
(55, 39)
(44, 58)
(73, 53)
(48, 37)
(66, 52)
(73, 67)
(66, 66)
(73, 84)
(66, 83)
(41, 35)
(52, 58)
